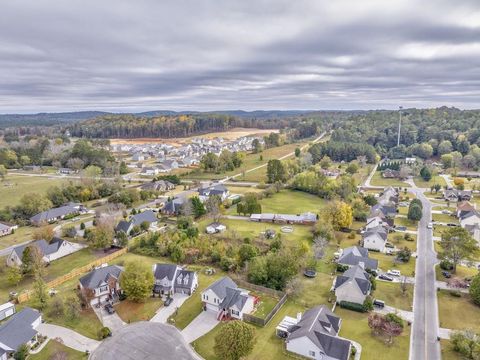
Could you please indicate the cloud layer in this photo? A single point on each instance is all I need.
(204, 55)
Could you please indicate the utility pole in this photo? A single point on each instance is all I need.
(399, 123)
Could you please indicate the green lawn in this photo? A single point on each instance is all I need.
(428, 184)
(378, 180)
(15, 186)
(266, 304)
(447, 351)
(410, 224)
(439, 229)
(397, 239)
(355, 327)
(54, 348)
(386, 262)
(444, 218)
(22, 234)
(193, 305)
(466, 313)
(393, 296)
(462, 271)
(130, 311)
(243, 189)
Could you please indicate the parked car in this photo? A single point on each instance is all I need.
(379, 303)
(452, 224)
(447, 212)
(430, 226)
(388, 245)
(168, 301)
(401, 228)
(447, 274)
(109, 308)
(394, 272)
(385, 277)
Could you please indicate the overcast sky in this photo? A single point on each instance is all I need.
(245, 54)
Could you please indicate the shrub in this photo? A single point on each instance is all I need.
(446, 265)
(352, 306)
(455, 293)
(475, 289)
(394, 318)
(342, 268)
(367, 304)
(104, 332)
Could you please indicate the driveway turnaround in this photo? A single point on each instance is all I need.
(69, 337)
(202, 324)
(165, 312)
(145, 340)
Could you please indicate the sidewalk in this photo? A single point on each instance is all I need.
(68, 337)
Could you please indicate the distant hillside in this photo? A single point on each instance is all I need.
(46, 119)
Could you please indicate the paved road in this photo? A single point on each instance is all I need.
(423, 342)
(69, 337)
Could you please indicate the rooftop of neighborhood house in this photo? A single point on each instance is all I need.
(18, 329)
(357, 274)
(46, 248)
(100, 275)
(356, 255)
(54, 213)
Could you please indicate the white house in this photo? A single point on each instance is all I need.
(6, 310)
(101, 284)
(227, 300)
(470, 218)
(353, 285)
(56, 249)
(218, 189)
(171, 279)
(375, 238)
(314, 335)
(7, 229)
(18, 330)
(215, 228)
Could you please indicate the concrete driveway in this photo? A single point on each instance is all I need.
(165, 312)
(112, 321)
(69, 337)
(202, 324)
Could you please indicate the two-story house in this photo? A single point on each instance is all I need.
(101, 284)
(227, 300)
(171, 279)
(353, 285)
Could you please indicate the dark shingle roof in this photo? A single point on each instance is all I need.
(123, 226)
(18, 329)
(357, 274)
(53, 213)
(355, 255)
(165, 270)
(101, 275)
(44, 247)
(145, 216)
(220, 286)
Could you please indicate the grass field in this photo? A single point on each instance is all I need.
(445, 218)
(54, 348)
(462, 271)
(428, 184)
(130, 311)
(243, 189)
(410, 224)
(386, 262)
(447, 351)
(393, 296)
(466, 312)
(22, 234)
(378, 180)
(15, 186)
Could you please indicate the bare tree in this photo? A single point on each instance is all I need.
(403, 285)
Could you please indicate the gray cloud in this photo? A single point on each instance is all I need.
(207, 55)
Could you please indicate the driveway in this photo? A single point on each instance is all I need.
(69, 337)
(165, 312)
(405, 315)
(112, 321)
(202, 324)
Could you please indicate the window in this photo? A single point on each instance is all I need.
(234, 312)
(205, 297)
(103, 288)
(311, 353)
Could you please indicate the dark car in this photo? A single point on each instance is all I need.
(379, 303)
(168, 301)
(385, 277)
(452, 224)
(109, 308)
(446, 274)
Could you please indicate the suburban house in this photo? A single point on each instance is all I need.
(171, 279)
(375, 238)
(6, 310)
(356, 255)
(353, 285)
(138, 157)
(101, 284)
(174, 206)
(457, 195)
(469, 218)
(374, 221)
(464, 207)
(18, 330)
(147, 216)
(7, 229)
(215, 228)
(217, 189)
(387, 210)
(390, 174)
(53, 250)
(56, 214)
(161, 185)
(389, 196)
(227, 300)
(303, 219)
(148, 171)
(313, 335)
(67, 171)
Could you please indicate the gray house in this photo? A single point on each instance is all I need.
(356, 255)
(6, 310)
(56, 214)
(101, 284)
(353, 285)
(171, 279)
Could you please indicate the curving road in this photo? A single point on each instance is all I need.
(423, 343)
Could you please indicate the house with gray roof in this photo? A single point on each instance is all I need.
(56, 214)
(375, 238)
(217, 189)
(227, 300)
(314, 335)
(356, 255)
(18, 330)
(353, 285)
(50, 251)
(101, 284)
(171, 279)
(161, 186)
(174, 206)
(307, 218)
(6, 228)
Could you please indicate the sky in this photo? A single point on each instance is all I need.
(126, 56)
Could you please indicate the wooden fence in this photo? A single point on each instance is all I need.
(25, 296)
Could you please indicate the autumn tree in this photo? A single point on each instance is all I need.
(339, 214)
(235, 340)
(275, 171)
(457, 245)
(40, 292)
(44, 233)
(137, 281)
(212, 206)
(14, 275)
(32, 261)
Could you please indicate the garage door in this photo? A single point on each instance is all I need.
(9, 312)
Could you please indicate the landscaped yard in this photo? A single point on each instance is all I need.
(15, 186)
(444, 218)
(393, 296)
(130, 311)
(439, 229)
(53, 348)
(266, 304)
(386, 262)
(243, 189)
(402, 221)
(22, 234)
(398, 240)
(462, 272)
(355, 327)
(378, 180)
(428, 184)
(458, 313)
(447, 351)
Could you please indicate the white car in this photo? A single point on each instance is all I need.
(394, 272)
(430, 226)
